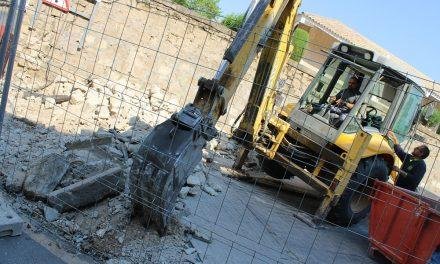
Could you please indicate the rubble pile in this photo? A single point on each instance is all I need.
(78, 182)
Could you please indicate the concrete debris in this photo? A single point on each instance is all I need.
(51, 214)
(194, 191)
(217, 187)
(77, 97)
(101, 232)
(10, 223)
(121, 239)
(45, 175)
(209, 190)
(94, 98)
(49, 102)
(180, 206)
(132, 148)
(212, 144)
(123, 148)
(201, 235)
(88, 191)
(225, 144)
(61, 98)
(197, 178)
(104, 112)
(184, 192)
(94, 214)
(115, 152)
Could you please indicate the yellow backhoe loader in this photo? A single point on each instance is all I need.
(338, 157)
(303, 141)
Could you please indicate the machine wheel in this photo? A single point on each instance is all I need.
(354, 204)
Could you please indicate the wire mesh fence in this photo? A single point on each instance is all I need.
(78, 113)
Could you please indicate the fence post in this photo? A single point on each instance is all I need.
(13, 49)
(7, 34)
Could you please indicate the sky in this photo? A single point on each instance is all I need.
(408, 29)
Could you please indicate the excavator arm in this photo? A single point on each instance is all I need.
(168, 155)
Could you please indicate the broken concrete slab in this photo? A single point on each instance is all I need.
(45, 175)
(14, 181)
(88, 191)
(10, 222)
(87, 143)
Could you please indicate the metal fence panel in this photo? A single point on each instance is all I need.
(77, 114)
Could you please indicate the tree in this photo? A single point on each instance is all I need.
(206, 8)
(181, 2)
(300, 39)
(233, 21)
(434, 119)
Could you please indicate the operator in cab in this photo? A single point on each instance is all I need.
(413, 165)
(343, 102)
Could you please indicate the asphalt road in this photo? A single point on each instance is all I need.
(23, 249)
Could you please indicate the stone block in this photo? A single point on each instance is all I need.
(10, 222)
(88, 191)
(14, 181)
(45, 175)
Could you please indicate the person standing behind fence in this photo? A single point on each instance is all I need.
(413, 168)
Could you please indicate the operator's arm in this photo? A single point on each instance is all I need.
(350, 102)
(397, 148)
(348, 105)
(336, 99)
(400, 152)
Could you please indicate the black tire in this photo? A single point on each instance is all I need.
(354, 204)
(274, 169)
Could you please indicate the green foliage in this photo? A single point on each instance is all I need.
(434, 119)
(206, 8)
(233, 21)
(181, 2)
(300, 39)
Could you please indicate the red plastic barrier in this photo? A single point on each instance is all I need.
(405, 229)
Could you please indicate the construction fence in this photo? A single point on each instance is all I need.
(89, 85)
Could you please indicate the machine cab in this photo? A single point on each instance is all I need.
(351, 92)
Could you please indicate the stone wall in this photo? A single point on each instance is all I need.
(133, 54)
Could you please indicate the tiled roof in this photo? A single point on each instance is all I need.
(346, 34)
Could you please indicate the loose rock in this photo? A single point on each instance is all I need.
(77, 97)
(209, 190)
(204, 236)
(49, 102)
(51, 214)
(197, 178)
(184, 192)
(101, 232)
(194, 191)
(45, 176)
